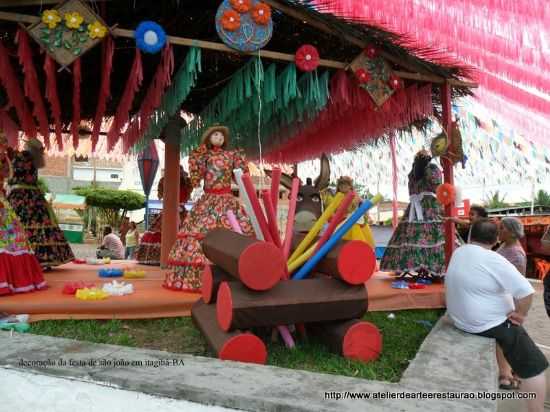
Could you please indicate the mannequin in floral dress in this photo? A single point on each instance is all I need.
(19, 268)
(34, 212)
(213, 162)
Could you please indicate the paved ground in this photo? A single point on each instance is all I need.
(538, 327)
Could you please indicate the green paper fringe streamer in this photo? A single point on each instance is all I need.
(182, 83)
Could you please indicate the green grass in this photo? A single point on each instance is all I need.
(402, 337)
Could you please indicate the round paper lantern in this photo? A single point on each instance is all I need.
(446, 194)
(307, 58)
(150, 37)
(362, 75)
(395, 82)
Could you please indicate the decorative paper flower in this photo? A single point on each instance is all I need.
(362, 75)
(70, 288)
(261, 14)
(118, 289)
(51, 18)
(73, 20)
(307, 58)
(110, 273)
(395, 82)
(134, 274)
(231, 20)
(242, 6)
(445, 194)
(96, 30)
(150, 37)
(371, 52)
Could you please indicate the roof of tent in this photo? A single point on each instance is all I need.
(195, 20)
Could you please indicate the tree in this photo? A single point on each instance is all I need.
(41, 183)
(542, 198)
(111, 204)
(495, 201)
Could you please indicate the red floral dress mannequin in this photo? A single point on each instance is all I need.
(213, 163)
(19, 268)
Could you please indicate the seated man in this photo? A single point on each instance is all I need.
(112, 246)
(487, 296)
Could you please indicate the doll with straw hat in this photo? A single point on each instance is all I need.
(212, 162)
(27, 199)
(418, 243)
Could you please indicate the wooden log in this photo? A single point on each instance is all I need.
(290, 302)
(212, 277)
(352, 261)
(353, 339)
(259, 265)
(236, 346)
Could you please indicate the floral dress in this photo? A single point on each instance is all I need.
(186, 259)
(419, 240)
(44, 235)
(19, 268)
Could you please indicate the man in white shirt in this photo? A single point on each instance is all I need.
(487, 296)
(112, 246)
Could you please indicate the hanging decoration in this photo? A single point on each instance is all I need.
(32, 86)
(455, 152)
(68, 31)
(371, 51)
(395, 82)
(439, 145)
(244, 25)
(53, 98)
(16, 98)
(150, 37)
(11, 130)
(307, 58)
(104, 89)
(445, 194)
(151, 101)
(75, 123)
(373, 75)
(122, 114)
(182, 83)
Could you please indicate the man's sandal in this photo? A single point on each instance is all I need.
(508, 384)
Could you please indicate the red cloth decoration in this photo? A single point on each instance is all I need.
(122, 114)
(307, 58)
(350, 118)
(10, 128)
(53, 98)
(446, 194)
(231, 20)
(242, 6)
(152, 100)
(395, 82)
(104, 90)
(15, 95)
(362, 75)
(31, 84)
(75, 124)
(261, 14)
(370, 51)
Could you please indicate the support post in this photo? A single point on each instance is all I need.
(394, 180)
(448, 170)
(170, 202)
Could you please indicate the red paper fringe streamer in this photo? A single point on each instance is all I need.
(122, 114)
(75, 124)
(351, 117)
(152, 100)
(10, 128)
(32, 86)
(104, 91)
(15, 95)
(53, 98)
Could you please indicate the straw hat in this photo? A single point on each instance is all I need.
(212, 129)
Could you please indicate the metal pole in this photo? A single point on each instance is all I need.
(147, 212)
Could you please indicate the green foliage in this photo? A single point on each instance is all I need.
(542, 198)
(495, 201)
(110, 203)
(41, 183)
